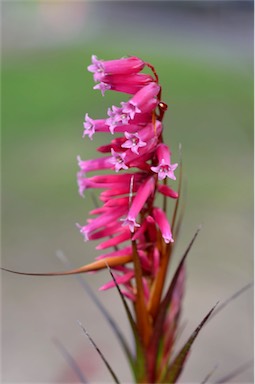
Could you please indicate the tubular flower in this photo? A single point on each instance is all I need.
(140, 160)
(131, 225)
(164, 168)
(135, 236)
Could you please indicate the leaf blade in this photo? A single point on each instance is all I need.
(159, 322)
(176, 367)
(138, 365)
(103, 310)
(116, 380)
(70, 360)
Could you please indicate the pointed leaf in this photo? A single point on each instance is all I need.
(70, 360)
(171, 324)
(104, 312)
(116, 380)
(177, 365)
(231, 298)
(236, 372)
(160, 319)
(95, 266)
(138, 364)
(165, 303)
(207, 377)
(179, 218)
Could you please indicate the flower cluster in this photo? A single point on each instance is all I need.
(139, 164)
(136, 238)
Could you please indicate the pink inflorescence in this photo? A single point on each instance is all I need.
(139, 164)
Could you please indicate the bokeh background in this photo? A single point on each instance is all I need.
(203, 52)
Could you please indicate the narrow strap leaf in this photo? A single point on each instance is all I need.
(137, 364)
(129, 315)
(177, 365)
(179, 218)
(116, 380)
(231, 298)
(159, 322)
(70, 360)
(236, 372)
(207, 377)
(165, 303)
(95, 266)
(102, 309)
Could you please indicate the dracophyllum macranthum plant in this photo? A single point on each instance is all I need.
(136, 236)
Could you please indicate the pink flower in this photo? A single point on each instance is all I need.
(125, 66)
(134, 142)
(120, 252)
(130, 222)
(123, 236)
(167, 191)
(123, 83)
(118, 159)
(106, 218)
(164, 226)
(141, 100)
(123, 279)
(116, 117)
(135, 162)
(95, 164)
(140, 199)
(165, 168)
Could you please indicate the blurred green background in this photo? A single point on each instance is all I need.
(203, 53)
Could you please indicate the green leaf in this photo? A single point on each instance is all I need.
(207, 377)
(176, 367)
(102, 309)
(70, 360)
(138, 364)
(236, 372)
(116, 380)
(160, 319)
(231, 298)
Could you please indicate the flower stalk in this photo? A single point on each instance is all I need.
(149, 231)
(136, 236)
(141, 155)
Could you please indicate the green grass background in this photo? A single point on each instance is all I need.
(45, 95)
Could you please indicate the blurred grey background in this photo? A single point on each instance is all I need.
(203, 53)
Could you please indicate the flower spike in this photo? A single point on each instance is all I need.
(130, 223)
